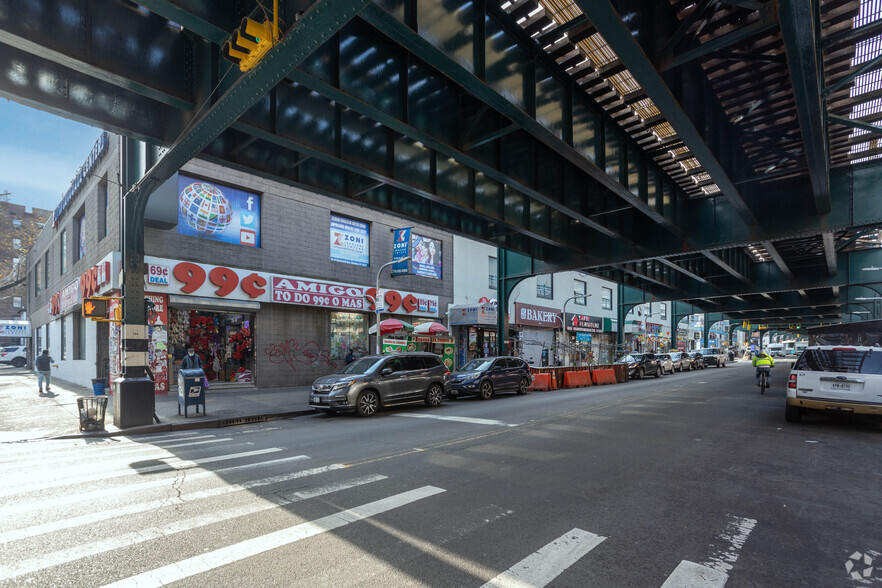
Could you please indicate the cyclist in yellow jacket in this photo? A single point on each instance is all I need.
(763, 359)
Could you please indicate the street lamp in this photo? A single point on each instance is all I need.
(563, 320)
(377, 295)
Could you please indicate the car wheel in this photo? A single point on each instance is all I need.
(523, 384)
(658, 372)
(19, 362)
(367, 404)
(434, 395)
(640, 374)
(792, 414)
(486, 390)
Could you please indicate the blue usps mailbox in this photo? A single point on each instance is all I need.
(191, 390)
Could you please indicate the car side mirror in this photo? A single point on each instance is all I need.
(386, 372)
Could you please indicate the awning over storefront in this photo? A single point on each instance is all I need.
(482, 315)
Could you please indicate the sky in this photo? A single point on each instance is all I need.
(40, 153)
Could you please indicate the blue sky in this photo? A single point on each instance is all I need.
(39, 154)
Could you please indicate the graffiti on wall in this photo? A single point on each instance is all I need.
(293, 353)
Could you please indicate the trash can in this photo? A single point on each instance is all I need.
(98, 386)
(191, 390)
(92, 411)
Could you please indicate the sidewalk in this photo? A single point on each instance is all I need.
(25, 415)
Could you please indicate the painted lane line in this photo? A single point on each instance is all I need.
(113, 491)
(736, 533)
(10, 453)
(165, 467)
(112, 513)
(251, 547)
(103, 546)
(548, 563)
(470, 420)
(119, 454)
(692, 575)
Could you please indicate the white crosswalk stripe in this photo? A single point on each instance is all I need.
(239, 551)
(458, 419)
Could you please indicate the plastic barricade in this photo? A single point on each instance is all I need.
(191, 390)
(577, 379)
(541, 382)
(604, 376)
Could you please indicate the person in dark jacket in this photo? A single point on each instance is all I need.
(191, 361)
(44, 370)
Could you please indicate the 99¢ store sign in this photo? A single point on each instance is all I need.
(211, 281)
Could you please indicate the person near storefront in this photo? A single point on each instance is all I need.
(44, 370)
(191, 361)
(349, 357)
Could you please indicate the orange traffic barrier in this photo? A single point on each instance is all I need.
(604, 376)
(541, 382)
(577, 379)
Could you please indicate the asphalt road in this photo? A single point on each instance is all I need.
(693, 479)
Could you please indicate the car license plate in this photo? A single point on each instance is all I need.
(840, 386)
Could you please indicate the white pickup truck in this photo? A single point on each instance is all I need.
(836, 379)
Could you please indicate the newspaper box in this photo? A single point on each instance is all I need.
(191, 390)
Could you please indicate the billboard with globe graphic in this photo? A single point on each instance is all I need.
(218, 212)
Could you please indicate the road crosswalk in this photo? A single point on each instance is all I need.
(190, 486)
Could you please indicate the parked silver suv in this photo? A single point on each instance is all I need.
(370, 382)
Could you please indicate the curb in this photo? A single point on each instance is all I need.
(187, 426)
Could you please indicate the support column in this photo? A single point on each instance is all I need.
(620, 314)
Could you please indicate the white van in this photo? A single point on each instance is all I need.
(836, 379)
(775, 349)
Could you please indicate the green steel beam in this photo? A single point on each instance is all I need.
(619, 37)
(849, 77)
(777, 258)
(849, 36)
(830, 252)
(714, 257)
(856, 124)
(800, 25)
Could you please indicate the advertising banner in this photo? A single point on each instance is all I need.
(426, 259)
(473, 315)
(350, 241)
(583, 337)
(400, 250)
(15, 329)
(157, 341)
(218, 212)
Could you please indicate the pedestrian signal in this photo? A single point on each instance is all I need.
(249, 43)
(95, 308)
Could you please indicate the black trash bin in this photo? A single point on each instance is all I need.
(92, 410)
(191, 390)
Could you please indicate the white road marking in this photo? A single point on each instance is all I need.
(457, 419)
(174, 465)
(70, 554)
(251, 547)
(548, 563)
(67, 499)
(112, 513)
(693, 575)
(734, 536)
(82, 453)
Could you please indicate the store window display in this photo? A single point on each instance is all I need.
(224, 342)
(348, 333)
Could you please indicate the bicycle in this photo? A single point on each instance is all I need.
(764, 377)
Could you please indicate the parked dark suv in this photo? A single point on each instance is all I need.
(641, 365)
(370, 382)
(486, 376)
(697, 360)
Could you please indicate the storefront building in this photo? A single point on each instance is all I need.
(271, 284)
(474, 331)
(538, 331)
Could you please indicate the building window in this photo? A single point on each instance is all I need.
(16, 222)
(62, 251)
(80, 249)
(606, 298)
(47, 338)
(16, 243)
(664, 310)
(16, 302)
(348, 333)
(79, 341)
(46, 269)
(545, 286)
(491, 267)
(103, 207)
(63, 339)
(580, 289)
(38, 278)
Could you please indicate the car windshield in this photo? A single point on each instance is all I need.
(843, 359)
(708, 352)
(633, 358)
(365, 365)
(665, 356)
(477, 365)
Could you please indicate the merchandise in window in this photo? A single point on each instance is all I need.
(223, 341)
(348, 334)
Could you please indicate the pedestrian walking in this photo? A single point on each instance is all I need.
(349, 357)
(191, 361)
(44, 370)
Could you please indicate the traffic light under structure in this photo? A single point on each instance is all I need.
(249, 43)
